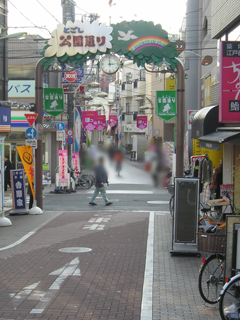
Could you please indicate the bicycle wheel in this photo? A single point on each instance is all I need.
(171, 206)
(210, 279)
(229, 303)
(85, 182)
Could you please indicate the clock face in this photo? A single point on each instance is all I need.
(110, 64)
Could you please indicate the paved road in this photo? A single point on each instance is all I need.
(124, 272)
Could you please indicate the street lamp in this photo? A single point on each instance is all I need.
(19, 35)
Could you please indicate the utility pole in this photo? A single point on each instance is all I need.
(68, 7)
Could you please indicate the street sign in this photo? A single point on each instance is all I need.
(166, 104)
(60, 135)
(69, 140)
(76, 76)
(191, 114)
(31, 117)
(31, 142)
(60, 126)
(53, 101)
(31, 133)
(70, 132)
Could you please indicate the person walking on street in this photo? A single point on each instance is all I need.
(7, 168)
(101, 178)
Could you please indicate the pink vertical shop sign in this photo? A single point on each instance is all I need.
(229, 102)
(62, 155)
(101, 125)
(89, 120)
(142, 122)
(112, 120)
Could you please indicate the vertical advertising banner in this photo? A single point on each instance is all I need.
(18, 189)
(229, 102)
(62, 155)
(76, 164)
(142, 122)
(1, 172)
(120, 132)
(5, 119)
(101, 125)
(26, 156)
(166, 105)
(112, 120)
(89, 120)
(77, 130)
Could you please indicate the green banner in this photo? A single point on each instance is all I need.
(53, 101)
(166, 105)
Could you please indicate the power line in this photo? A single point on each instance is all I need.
(81, 9)
(48, 11)
(22, 14)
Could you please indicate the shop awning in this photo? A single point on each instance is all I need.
(205, 122)
(213, 140)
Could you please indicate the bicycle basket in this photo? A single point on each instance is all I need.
(212, 243)
(171, 188)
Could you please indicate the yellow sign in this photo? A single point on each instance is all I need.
(207, 91)
(170, 84)
(215, 156)
(26, 156)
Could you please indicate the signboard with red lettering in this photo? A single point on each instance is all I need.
(112, 120)
(101, 125)
(89, 120)
(229, 102)
(62, 154)
(76, 164)
(79, 37)
(226, 188)
(142, 122)
(31, 117)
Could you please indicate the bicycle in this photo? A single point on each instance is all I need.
(211, 278)
(171, 201)
(229, 300)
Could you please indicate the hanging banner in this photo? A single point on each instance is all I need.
(101, 125)
(150, 130)
(166, 104)
(1, 172)
(77, 130)
(5, 119)
(76, 164)
(120, 132)
(18, 190)
(62, 155)
(89, 120)
(229, 102)
(26, 156)
(142, 122)
(112, 121)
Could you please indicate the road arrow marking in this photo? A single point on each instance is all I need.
(70, 269)
(44, 298)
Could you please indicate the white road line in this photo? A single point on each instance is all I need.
(29, 234)
(158, 202)
(147, 303)
(125, 192)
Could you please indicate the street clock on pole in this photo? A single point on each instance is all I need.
(110, 64)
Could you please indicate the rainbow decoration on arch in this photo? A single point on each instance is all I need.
(148, 41)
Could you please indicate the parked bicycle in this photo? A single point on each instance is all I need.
(229, 301)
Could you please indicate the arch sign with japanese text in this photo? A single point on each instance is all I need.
(141, 41)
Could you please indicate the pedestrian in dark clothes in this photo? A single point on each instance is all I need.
(29, 191)
(7, 168)
(101, 178)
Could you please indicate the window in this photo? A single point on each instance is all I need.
(135, 116)
(135, 84)
(142, 75)
(141, 105)
(123, 86)
(128, 108)
(123, 116)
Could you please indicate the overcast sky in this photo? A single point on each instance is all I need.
(169, 13)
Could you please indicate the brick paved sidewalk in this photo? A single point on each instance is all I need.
(175, 288)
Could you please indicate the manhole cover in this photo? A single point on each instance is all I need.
(75, 250)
